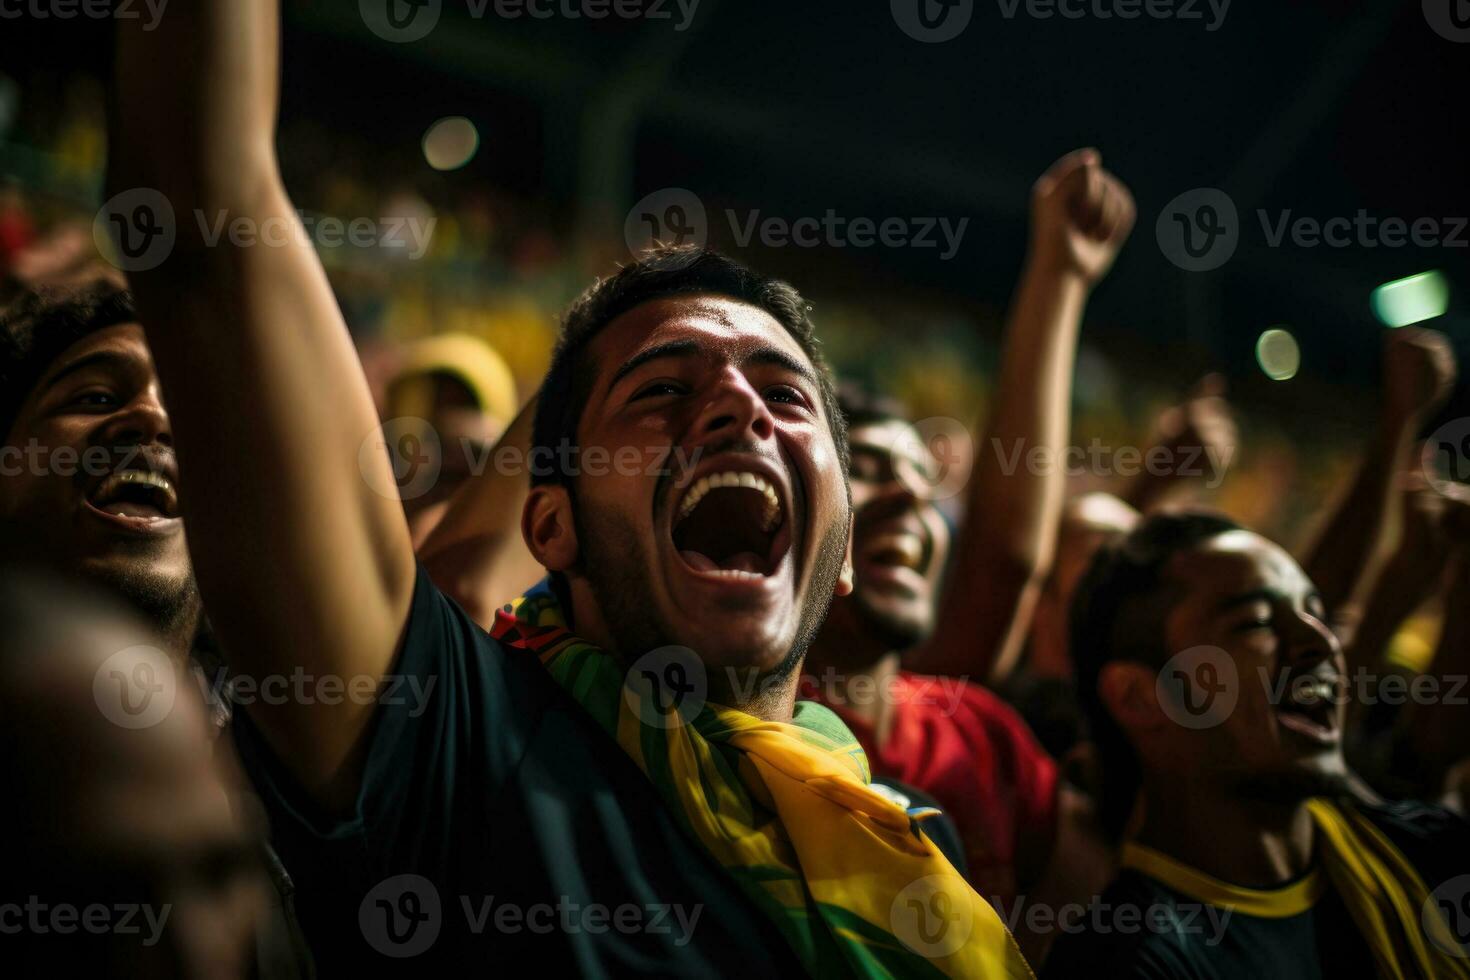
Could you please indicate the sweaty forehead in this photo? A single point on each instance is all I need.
(720, 327)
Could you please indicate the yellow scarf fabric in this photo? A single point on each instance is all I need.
(787, 810)
(1382, 892)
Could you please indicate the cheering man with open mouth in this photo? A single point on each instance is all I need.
(517, 794)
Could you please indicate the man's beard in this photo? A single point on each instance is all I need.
(616, 559)
(172, 606)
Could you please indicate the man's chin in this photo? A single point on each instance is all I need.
(898, 625)
(164, 593)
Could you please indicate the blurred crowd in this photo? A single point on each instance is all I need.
(885, 650)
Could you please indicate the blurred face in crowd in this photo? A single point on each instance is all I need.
(89, 478)
(1244, 595)
(142, 819)
(736, 550)
(899, 543)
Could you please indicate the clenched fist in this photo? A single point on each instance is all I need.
(1080, 217)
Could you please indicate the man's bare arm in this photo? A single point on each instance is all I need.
(1364, 530)
(1081, 215)
(476, 553)
(300, 546)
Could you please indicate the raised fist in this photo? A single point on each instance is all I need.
(1080, 217)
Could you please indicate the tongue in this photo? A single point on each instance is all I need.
(744, 561)
(129, 508)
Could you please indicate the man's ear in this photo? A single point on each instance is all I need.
(1129, 691)
(548, 529)
(845, 578)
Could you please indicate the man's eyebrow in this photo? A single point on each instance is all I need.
(1246, 598)
(674, 348)
(101, 358)
(779, 358)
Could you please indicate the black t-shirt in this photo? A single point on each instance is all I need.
(498, 826)
(1191, 941)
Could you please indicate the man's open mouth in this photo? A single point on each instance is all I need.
(733, 523)
(1309, 708)
(139, 496)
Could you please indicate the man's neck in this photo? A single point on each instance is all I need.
(1250, 843)
(862, 693)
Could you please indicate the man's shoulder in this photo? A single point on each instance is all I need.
(1137, 928)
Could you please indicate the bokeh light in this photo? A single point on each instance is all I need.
(1405, 301)
(451, 143)
(1278, 354)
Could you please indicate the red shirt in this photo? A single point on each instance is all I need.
(972, 752)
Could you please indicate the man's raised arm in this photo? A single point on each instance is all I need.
(300, 546)
(1080, 217)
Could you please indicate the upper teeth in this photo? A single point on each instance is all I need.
(1319, 689)
(145, 477)
(769, 518)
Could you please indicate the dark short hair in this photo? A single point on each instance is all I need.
(41, 324)
(1111, 620)
(661, 272)
(862, 405)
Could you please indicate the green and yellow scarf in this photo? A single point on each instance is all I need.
(787, 810)
(1382, 892)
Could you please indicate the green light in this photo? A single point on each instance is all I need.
(1278, 354)
(1405, 301)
